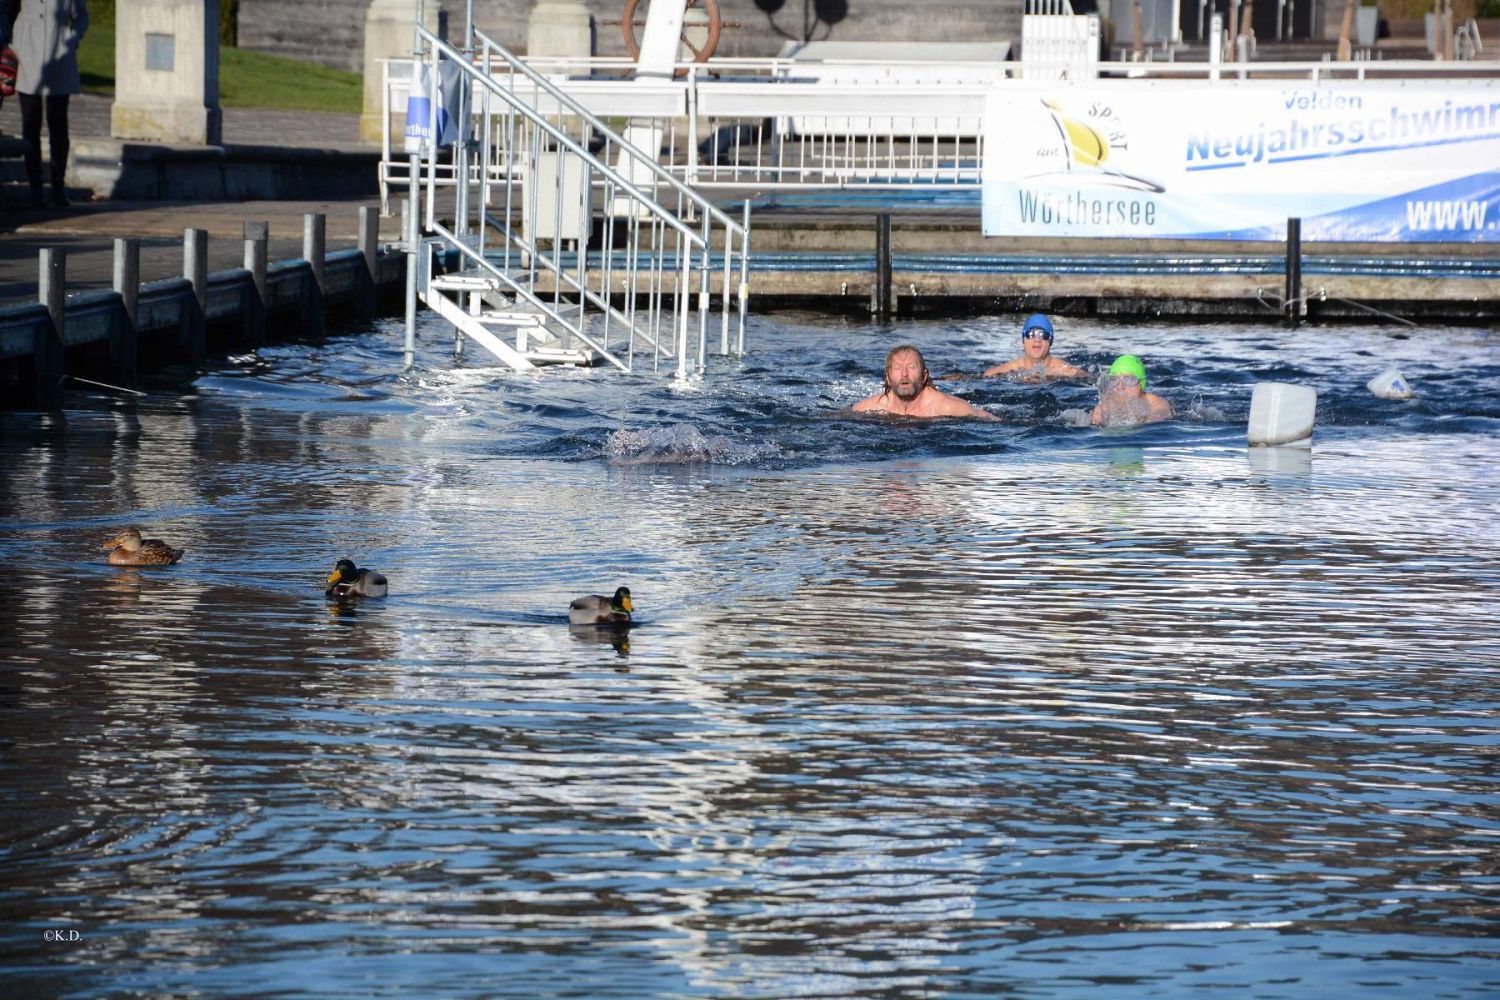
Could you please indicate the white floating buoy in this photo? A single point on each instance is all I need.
(1282, 414)
(1390, 384)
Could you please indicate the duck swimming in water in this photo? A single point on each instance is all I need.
(128, 548)
(597, 610)
(348, 580)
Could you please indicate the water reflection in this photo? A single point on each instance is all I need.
(1284, 464)
(615, 636)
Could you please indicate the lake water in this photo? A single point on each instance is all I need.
(947, 709)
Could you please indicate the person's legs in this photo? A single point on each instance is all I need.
(57, 139)
(31, 134)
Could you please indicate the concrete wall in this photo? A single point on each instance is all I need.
(331, 31)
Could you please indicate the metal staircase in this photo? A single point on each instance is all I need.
(549, 238)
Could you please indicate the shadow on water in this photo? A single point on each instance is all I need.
(940, 708)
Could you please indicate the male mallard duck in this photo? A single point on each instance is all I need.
(128, 548)
(597, 610)
(348, 580)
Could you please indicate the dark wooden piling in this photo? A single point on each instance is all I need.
(124, 338)
(883, 266)
(1293, 272)
(257, 236)
(48, 353)
(314, 228)
(194, 329)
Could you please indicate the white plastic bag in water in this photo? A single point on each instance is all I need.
(1390, 384)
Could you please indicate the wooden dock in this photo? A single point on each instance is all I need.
(108, 335)
(185, 281)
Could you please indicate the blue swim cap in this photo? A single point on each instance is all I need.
(1036, 321)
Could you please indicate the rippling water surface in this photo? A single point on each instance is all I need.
(946, 709)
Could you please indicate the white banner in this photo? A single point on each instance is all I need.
(1417, 161)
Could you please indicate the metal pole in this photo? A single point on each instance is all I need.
(413, 202)
(684, 289)
(124, 338)
(1215, 45)
(1293, 272)
(409, 225)
(739, 348)
(883, 266)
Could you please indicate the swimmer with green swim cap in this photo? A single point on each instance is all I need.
(1123, 399)
(1129, 364)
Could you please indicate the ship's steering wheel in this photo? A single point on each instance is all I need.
(715, 25)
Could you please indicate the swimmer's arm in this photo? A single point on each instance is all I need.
(1160, 408)
(1065, 370)
(1096, 415)
(955, 407)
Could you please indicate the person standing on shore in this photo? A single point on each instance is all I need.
(45, 37)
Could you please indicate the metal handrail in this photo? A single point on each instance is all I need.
(552, 124)
(702, 203)
(478, 260)
(440, 47)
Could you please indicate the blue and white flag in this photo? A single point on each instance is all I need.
(419, 118)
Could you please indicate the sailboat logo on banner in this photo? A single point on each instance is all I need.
(1072, 145)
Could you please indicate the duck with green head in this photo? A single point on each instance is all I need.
(348, 580)
(595, 609)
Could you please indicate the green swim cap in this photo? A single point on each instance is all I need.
(1129, 364)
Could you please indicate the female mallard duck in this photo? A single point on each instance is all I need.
(348, 580)
(597, 610)
(128, 548)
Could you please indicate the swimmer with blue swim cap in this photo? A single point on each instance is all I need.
(1123, 399)
(1036, 363)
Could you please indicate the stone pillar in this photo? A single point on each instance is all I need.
(389, 31)
(167, 72)
(560, 28)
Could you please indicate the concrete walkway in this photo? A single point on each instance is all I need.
(87, 229)
(88, 118)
